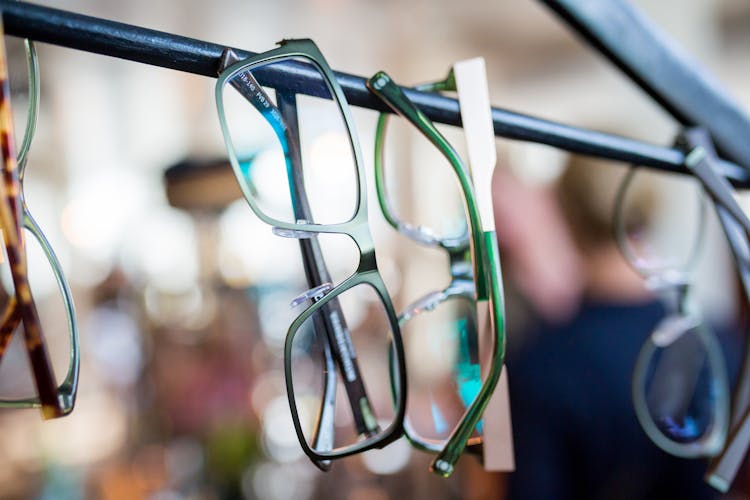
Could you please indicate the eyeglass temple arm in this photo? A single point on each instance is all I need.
(703, 162)
(382, 86)
(732, 218)
(11, 316)
(391, 94)
(9, 321)
(324, 434)
(723, 468)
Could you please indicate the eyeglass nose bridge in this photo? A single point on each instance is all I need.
(672, 328)
(314, 294)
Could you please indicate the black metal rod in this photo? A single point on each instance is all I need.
(662, 69)
(180, 53)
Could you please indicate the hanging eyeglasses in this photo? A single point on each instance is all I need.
(305, 178)
(32, 281)
(487, 285)
(440, 328)
(680, 386)
(702, 160)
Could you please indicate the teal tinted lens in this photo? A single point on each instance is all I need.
(272, 147)
(443, 369)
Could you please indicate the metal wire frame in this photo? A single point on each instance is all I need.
(180, 53)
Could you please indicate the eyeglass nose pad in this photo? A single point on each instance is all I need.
(419, 234)
(674, 287)
(315, 293)
(299, 234)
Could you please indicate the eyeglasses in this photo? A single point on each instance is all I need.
(445, 318)
(702, 161)
(680, 387)
(297, 160)
(485, 267)
(53, 399)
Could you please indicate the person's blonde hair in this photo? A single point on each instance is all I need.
(587, 191)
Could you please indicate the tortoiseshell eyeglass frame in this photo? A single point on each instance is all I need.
(54, 401)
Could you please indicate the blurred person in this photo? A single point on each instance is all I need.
(548, 282)
(576, 433)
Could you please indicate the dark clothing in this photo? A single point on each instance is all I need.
(575, 430)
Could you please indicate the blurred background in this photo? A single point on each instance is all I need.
(183, 308)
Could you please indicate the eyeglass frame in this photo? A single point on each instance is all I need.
(356, 227)
(701, 160)
(59, 401)
(711, 443)
(486, 267)
(457, 248)
(335, 349)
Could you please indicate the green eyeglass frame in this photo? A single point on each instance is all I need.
(486, 267)
(457, 248)
(356, 228)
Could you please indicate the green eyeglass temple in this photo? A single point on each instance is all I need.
(486, 267)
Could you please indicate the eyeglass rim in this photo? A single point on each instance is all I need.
(474, 444)
(631, 255)
(713, 440)
(396, 429)
(394, 220)
(67, 390)
(289, 49)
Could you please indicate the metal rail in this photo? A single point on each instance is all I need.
(661, 68)
(180, 53)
